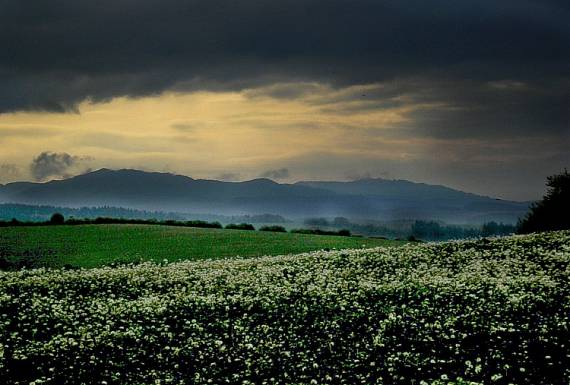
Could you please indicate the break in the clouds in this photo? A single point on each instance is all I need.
(56, 165)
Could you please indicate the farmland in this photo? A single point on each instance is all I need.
(98, 245)
(490, 311)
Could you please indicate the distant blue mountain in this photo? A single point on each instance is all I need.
(378, 199)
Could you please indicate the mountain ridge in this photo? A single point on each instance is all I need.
(366, 198)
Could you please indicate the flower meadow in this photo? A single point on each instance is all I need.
(473, 312)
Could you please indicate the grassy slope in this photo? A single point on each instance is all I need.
(97, 245)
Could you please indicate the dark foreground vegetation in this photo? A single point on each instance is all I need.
(484, 312)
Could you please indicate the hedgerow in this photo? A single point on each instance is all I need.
(484, 312)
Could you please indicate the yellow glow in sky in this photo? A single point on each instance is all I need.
(206, 134)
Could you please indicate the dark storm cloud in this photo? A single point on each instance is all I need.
(494, 109)
(282, 173)
(447, 108)
(53, 165)
(57, 53)
(456, 109)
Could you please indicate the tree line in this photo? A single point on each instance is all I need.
(58, 219)
(414, 229)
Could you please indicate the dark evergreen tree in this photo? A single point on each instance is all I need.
(553, 211)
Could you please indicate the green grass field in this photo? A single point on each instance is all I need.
(98, 245)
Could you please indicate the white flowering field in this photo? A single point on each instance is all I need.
(489, 312)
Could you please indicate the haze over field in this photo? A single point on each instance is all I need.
(471, 94)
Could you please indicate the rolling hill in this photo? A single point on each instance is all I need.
(100, 245)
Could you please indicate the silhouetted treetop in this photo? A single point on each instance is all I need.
(553, 211)
(57, 219)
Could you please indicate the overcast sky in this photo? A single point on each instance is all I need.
(471, 94)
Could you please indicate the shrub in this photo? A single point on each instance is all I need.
(342, 233)
(203, 224)
(241, 226)
(275, 229)
(57, 219)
